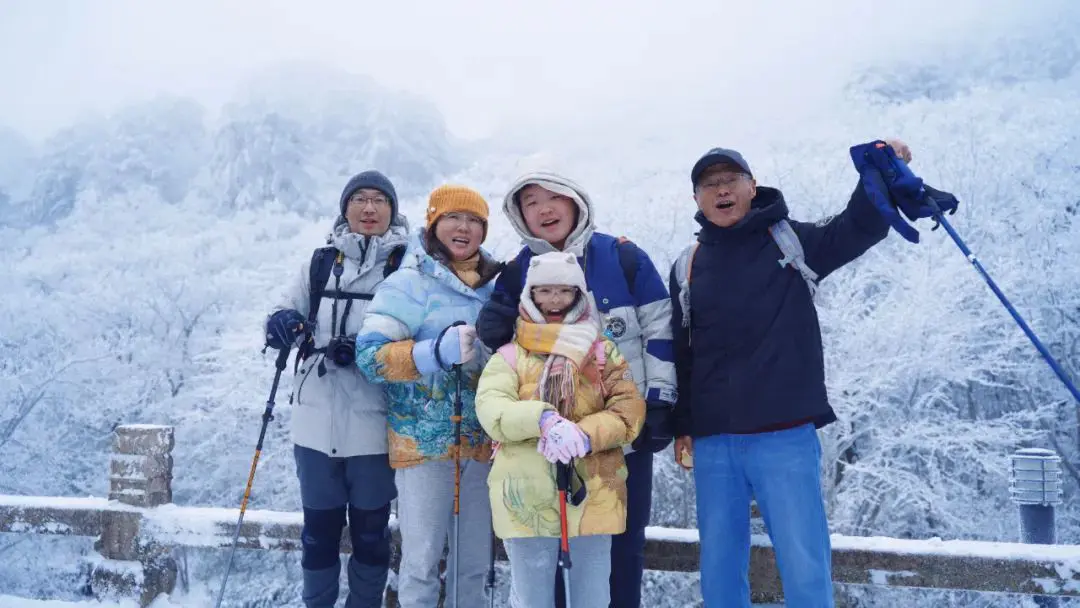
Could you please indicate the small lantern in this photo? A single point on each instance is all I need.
(1036, 477)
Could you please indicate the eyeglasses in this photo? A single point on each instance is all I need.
(550, 291)
(724, 179)
(463, 218)
(362, 201)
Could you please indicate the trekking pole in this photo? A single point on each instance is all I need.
(268, 415)
(562, 482)
(457, 479)
(939, 216)
(456, 419)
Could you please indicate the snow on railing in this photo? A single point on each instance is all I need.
(136, 528)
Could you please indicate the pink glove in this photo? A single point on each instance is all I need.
(560, 439)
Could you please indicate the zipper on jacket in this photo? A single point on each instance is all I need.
(333, 407)
(365, 244)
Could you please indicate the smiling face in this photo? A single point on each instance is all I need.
(724, 193)
(554, 301)
(368, 212)
(548, 215)
(461, 233)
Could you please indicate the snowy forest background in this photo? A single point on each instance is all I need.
(141, 250)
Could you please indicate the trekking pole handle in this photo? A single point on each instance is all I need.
(562, 476)
(905, 171)
(282, 358)
(438, 343)
(907, 174)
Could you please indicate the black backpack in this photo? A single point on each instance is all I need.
(322, 264)
(327, 260)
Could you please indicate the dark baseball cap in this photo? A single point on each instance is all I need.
(718, 156)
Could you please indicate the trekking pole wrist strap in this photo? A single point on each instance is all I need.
(438, 344)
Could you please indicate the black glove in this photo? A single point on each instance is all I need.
(283, 328)
(495, 324)
(658, 431)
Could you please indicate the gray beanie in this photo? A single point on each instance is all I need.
(370, 179)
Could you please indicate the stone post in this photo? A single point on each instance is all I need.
(140, 476)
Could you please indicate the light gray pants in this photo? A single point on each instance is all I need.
(532, 571)
(425, 516)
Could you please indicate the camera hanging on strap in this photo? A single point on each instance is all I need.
(324, 262)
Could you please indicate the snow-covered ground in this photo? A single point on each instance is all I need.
(8, 601)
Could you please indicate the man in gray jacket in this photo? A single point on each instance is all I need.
(339, 420)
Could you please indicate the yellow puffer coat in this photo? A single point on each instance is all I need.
(524, 499)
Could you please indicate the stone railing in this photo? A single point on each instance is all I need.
(137, 527)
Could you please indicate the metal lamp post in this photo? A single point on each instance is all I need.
(1035, 487)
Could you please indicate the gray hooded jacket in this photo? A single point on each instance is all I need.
(339, 413)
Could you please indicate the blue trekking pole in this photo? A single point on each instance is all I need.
(1005, 301)
(892, 170)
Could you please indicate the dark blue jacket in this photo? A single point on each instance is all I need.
(756, 363)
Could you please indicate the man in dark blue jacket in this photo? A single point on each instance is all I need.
(751, 377)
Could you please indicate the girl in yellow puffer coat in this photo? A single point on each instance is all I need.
(561, 392)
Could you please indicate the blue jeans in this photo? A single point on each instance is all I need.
(782, 470)
(359, 489)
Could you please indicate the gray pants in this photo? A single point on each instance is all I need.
(532, 571)
(425, 516)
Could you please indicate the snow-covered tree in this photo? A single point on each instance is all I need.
(167, 243)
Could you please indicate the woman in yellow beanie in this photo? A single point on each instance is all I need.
(409, 342)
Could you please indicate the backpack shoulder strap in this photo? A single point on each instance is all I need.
(791, 247)
(599, 352)
(684, 270)
(628, 260)
(393, 261)
(322, 262)
(508, 352)
(515, 271)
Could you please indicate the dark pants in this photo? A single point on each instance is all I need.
(360, 489)
(628, 548)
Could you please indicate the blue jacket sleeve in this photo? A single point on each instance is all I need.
(384, 346)
(844, 237)
(495, 324)
(684, 422)
(653, 308)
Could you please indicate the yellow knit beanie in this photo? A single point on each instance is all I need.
(456, 199)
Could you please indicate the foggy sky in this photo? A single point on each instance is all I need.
(484, 63)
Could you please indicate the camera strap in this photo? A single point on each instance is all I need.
(339, 267)
(345, 315)
(327, 261)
